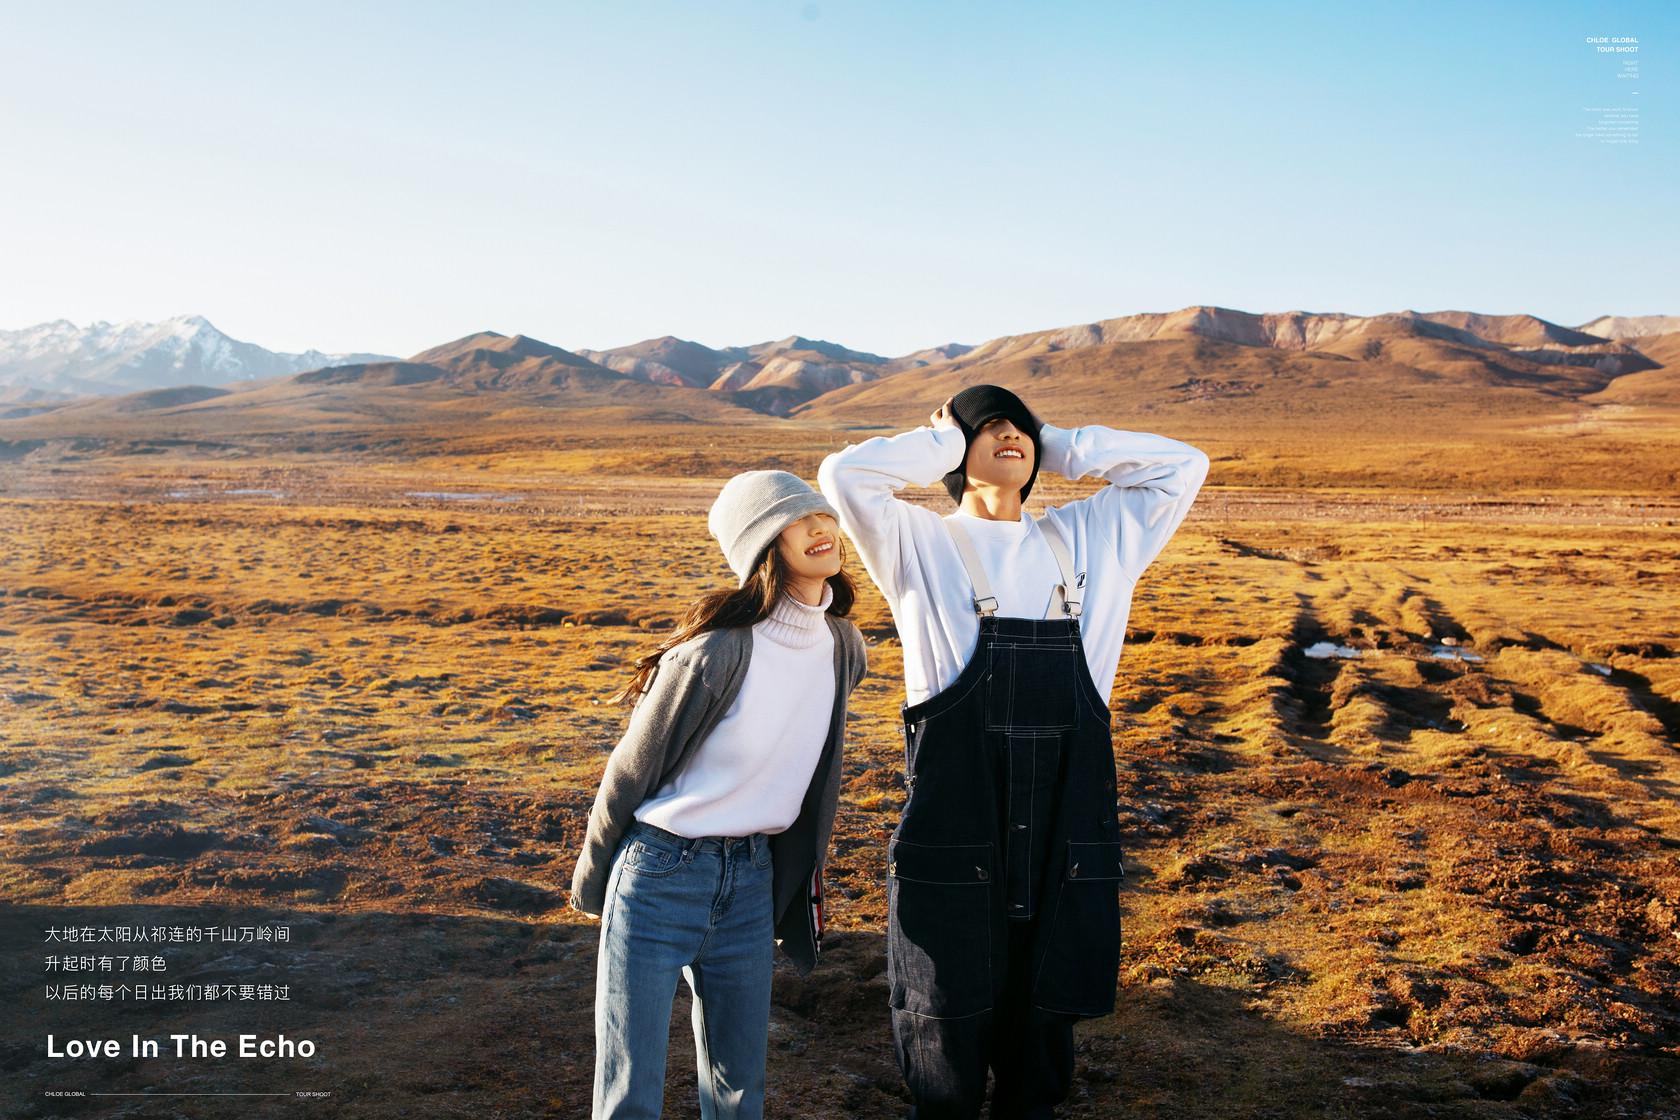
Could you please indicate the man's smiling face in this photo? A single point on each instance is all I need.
(1001, 455)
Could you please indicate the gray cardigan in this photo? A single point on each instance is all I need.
(694, 685)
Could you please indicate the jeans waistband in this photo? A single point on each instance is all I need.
(753, 843)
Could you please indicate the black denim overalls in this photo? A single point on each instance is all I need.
(1004, 872)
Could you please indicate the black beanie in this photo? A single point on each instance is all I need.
(971, 409)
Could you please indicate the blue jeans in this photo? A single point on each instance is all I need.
(701, 909)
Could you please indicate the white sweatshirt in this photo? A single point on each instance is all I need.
(909, 553)
(751, 773)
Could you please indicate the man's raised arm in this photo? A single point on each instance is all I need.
(1152, 482)
(859, 481)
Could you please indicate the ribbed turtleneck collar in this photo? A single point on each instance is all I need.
(795, 624)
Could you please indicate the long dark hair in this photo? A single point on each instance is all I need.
(737, 606)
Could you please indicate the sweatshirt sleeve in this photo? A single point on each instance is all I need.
(860, 480)
(1152, 481)
(676, 699)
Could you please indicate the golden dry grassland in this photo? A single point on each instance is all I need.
(1435, 873)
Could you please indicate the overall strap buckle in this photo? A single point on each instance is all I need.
(1071, 590)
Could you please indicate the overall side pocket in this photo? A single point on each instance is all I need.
(939, 942)
(1079, 970)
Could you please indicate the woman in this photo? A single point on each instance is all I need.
(707, 839)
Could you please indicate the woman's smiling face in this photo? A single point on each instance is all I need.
(1001, 455)
(810, 547)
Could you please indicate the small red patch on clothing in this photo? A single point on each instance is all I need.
(817, 908)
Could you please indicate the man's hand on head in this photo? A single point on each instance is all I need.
(941, 417)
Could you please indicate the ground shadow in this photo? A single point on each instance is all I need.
(424, 1015)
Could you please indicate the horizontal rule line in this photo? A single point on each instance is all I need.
(205, 1094)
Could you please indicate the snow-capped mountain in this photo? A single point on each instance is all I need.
(1621, 327)
(62, 359)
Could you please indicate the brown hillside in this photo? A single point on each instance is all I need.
(1512, 330)
(148, 400)
(1659, 386)
(487, 348)
(1664, 349)
(667, 360)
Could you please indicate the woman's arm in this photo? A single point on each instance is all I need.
(676, 699)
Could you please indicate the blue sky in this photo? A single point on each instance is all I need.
(886, 175)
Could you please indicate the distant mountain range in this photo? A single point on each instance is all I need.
(54, 363)
(185, 367)
(59, 360)
(779, 373)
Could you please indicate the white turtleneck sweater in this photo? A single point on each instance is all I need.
(751, 773)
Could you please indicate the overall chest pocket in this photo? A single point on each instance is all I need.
(1032, 687)
(939, 940)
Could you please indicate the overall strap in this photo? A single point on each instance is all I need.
(985, 602)
(1068, 592)
(1071, 589)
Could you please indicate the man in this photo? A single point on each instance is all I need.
(1004, 871)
